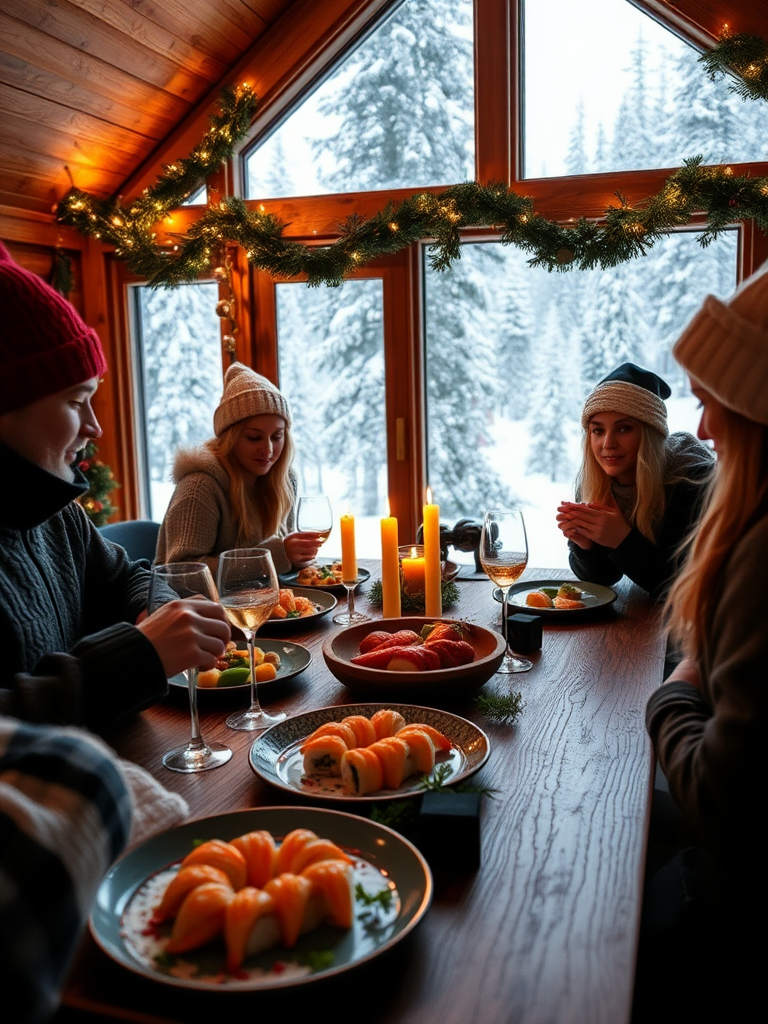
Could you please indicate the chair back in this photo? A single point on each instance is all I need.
(137, 536)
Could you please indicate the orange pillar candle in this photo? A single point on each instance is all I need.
(413, 572)
(390, 569)
(433, 595)
(348, 555)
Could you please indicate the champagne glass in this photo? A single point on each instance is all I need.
(182, 580)
(504, 556)
(314, 515)
(248, 591)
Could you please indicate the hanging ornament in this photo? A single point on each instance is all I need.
(220, 274)
(564, 256)
(224, 309)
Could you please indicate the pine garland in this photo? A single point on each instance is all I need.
(101, 483)
(625, 232)
(413, 604)
(744, 56)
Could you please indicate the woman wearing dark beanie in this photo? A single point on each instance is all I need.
(639, 489)
(70, 600)
(703, 948)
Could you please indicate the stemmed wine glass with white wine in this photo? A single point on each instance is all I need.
(504, 556)
(249, 592)
(182, 580)
(314, 515)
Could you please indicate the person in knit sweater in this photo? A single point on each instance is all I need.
(77, 646)
(639, 490)
(703, 940)
(71, 654)
(237, 490)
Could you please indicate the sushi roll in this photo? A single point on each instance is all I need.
(361, 772)
(322, 756)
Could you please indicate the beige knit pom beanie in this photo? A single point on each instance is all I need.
(725, 348)
(246, 394)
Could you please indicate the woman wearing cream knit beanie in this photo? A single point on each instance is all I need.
(708, 723)
(238, 490)
(638, 489)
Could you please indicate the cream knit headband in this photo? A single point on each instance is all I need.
(629, 400)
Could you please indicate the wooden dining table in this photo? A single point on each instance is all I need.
(545, 930)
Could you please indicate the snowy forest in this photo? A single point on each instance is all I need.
(510, 352)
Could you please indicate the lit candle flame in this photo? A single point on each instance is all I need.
(429, 496)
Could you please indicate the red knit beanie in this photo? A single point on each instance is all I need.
(45, 346)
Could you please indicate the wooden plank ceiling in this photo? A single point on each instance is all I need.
(95, 86)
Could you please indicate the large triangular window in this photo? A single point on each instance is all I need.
(397, 113)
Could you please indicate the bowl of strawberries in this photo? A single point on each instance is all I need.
(414, 654)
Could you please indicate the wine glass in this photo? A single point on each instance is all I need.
(248, 591)
(504, 556)
(314, 515)
(350, 616)
(182, 580)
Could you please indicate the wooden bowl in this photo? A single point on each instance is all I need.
(339, 649)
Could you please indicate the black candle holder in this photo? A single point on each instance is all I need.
(465, 536)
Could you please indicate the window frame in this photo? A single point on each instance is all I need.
(283, 67)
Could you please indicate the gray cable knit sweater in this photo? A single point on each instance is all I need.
(68, 600)
(199, 525)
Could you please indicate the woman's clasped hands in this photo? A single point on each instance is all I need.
(588, 523)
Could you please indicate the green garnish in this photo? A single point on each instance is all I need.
(398, 812)
(317, 959)
(500, 707)
(438, 779)
(381, 900)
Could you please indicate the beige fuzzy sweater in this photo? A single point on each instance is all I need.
(198, 525)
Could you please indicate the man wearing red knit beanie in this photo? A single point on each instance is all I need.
(77, 647)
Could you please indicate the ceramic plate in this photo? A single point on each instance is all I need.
(275, 753)
(594, 596)
(324, 601)
(293, 659)
(378, 852)
(289, 579)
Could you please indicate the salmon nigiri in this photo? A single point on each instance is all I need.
(259, 850)
(183, 882)
(251, 925)
(200, 918)
(223, 856)
(333, 887)
(291, 895)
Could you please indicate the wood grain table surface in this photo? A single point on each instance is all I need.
(545, 931)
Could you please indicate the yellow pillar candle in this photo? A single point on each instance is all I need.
(390, 569)
(413, 572)
(433, 595)
(348, 555)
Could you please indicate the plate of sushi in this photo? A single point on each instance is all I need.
(557, 598)
(368, 752)
(256, 899)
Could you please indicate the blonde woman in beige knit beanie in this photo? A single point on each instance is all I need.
(237, 489)
(639, 488)
(709, 722)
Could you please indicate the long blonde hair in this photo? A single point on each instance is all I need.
(594, 484)
(738, 496)
(265, 505)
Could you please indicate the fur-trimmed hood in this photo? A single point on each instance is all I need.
(199, 460)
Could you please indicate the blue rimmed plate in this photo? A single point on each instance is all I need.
(385, 858)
